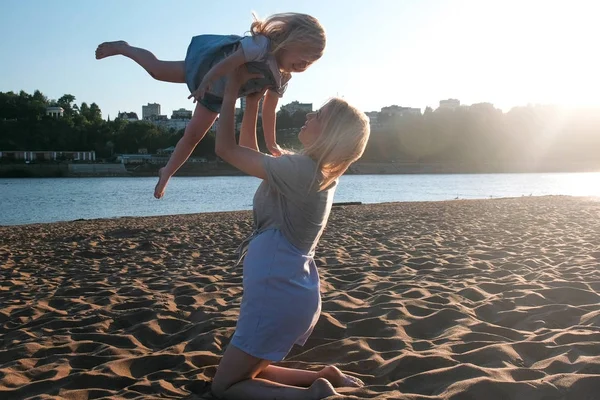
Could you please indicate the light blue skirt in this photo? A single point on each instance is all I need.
(282, 300)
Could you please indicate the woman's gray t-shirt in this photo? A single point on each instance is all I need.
(289, 200)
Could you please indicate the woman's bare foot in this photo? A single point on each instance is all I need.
(159, 190)
(108, 49)
(320, 389)
(338, 378)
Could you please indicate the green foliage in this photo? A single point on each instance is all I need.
(24, 125)
(473, 136)
(481, 135)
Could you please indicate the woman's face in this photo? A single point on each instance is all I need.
(313, 126)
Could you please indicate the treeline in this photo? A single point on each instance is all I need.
(24, 125)
(477, 135)
(481, 135)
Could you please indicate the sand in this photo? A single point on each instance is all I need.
(483, 299)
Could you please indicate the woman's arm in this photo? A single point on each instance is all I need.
(269, 118)
(248, 131)
(243, 158)
(222, 68)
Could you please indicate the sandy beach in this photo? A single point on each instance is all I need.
(479, 299)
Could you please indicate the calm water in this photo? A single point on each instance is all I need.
(25, 201)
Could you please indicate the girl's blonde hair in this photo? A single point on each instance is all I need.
(344, 136)
(287, 30)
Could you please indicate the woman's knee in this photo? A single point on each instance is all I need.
(235, 366)
(218, 388)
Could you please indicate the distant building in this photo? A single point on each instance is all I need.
(164, 122)
(182, 113)
(450, 104)
(28, 156)
(483, 106)
(295, 106)
(134, 158)
(161, 158)
(243, 105)
(151, 110)
(391, 111)
(55, 111)
(215, 125)
(128, 116)
(168, 150)
(373, 117)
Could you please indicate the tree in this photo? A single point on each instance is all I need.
(65, 102)
(284, 120)
(95, 112)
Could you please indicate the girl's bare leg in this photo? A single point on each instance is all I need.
(167, 71)
(194, 132)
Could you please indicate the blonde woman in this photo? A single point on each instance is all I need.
(278, 46)
(281, 302)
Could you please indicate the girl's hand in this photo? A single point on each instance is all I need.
(199, 92)
(275, 150)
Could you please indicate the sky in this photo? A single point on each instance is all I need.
(379, 52)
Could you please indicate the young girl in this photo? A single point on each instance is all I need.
(279, 45)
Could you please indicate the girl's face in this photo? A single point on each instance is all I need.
(313, 127)
(293, 60)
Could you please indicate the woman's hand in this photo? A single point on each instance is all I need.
(237, 78)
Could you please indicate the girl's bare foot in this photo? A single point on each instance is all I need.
(338, 378)
(159, 190)
(321, 388)
(108, 49)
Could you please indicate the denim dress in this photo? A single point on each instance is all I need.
(281, 303)
(205, 51)
(282, 298)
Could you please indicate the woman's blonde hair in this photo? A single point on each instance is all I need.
(287, 30)
(344, 136)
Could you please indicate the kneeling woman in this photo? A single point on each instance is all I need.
(281, 302)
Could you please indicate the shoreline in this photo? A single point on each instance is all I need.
(334, 207)
(103, 170)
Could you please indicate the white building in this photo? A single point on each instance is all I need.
(150, 111)
(55, 112)
(373, 117)
(176, 124)
(29, 156)
(395, 110)
(182, 113)
(450, 104)
(128, 116)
